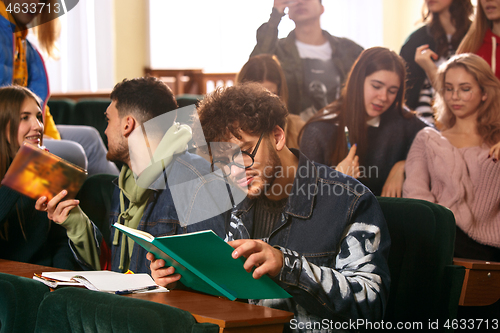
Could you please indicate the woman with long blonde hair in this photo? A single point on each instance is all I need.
(458, 167)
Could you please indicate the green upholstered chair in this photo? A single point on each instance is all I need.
(82, 310)
(19, 301)
(188, 99)
(425, 285)
(62, 110)
(95, 200)
(90, 112)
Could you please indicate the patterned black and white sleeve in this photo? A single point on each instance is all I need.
(357, 285)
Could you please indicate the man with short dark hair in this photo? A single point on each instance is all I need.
(307, 54)
(318, 233)
(143, 198)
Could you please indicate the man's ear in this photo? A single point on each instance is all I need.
(128, 125)
(279, 137)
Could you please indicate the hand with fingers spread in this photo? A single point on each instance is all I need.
(163, 276)
(266, 259)
(56, 209)
(425, 58)
(350, 164)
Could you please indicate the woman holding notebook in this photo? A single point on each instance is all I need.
(26, 235)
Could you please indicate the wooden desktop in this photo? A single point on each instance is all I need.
(229, 315)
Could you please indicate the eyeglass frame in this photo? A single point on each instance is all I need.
(445, 92)
(251, 155)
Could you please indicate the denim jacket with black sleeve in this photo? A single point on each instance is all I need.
(335, 244)
(160, 217)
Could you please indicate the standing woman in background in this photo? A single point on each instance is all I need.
(484, 34)
(447, 22)
(369, 114)
(26, 235)
(23, 65)
(266, 70)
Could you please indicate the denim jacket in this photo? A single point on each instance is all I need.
(160, 217)
(38, 81)
(335, 244)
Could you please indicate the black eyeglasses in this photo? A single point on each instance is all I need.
(243, 160)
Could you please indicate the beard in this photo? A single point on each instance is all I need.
(118, 154)
(273, 163)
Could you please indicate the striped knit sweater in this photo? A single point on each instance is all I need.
(463, 179)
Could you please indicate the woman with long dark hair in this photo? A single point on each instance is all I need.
(447, 22)
(370, 113)
(26, 234)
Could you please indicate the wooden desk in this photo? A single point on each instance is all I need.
(230, 316)
(481, 282)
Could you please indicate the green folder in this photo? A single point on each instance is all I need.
(205, 263)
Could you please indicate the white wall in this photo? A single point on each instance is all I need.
(86, 49)
(219, 35)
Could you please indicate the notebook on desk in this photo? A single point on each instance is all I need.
(106, 281)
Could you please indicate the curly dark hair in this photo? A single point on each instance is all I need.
(145, 98)
(248, 107)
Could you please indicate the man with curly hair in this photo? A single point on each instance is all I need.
(318, 233)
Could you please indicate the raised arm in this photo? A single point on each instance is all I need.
(267, 34)
(425, 58)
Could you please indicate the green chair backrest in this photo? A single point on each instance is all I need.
(20, 298)
(424, 283)
(95, 200)
(62, 110)
(90, 112)
(81, 310)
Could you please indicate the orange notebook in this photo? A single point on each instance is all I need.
(35, 172)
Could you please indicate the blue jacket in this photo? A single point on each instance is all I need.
(160, 217)
(335, 244)
(38, 81)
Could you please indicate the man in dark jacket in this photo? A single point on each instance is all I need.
(308, 54)
(318, 233)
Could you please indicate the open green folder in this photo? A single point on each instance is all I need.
(205, 263)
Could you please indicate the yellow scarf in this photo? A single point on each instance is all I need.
(20, 68)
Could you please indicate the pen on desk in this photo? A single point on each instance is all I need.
(138, 290)
(346, 131)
